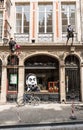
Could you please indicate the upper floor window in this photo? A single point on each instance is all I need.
(22, 18)
(45, 18)
(68, 15)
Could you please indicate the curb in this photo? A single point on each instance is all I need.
(41, 124)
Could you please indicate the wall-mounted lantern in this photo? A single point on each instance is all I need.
(5, 41)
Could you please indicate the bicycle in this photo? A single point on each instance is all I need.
(28, 98)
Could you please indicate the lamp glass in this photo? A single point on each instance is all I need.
(5, 40)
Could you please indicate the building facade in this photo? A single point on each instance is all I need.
(40, 27)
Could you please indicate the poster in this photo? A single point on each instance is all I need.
(13, 78)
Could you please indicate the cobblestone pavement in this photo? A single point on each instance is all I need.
(47, 113)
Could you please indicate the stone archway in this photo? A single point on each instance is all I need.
(72, 77)
(46, 69)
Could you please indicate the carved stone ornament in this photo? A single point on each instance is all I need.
(61, 55)
(4, 58)
(72, 48)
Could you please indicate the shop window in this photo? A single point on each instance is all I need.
(46, 69)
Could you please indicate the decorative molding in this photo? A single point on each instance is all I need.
(72, 48)
(21, 38)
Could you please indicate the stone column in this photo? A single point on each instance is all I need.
(21, 82)
(62, 82)
(81, 76)
(21, 78)
(4, 84)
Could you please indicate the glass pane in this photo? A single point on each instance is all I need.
(1, 15)
(26, 16)
(64, 22)
(72, 21)
(18, 29)
(26, 23)
(72, 8)
(18, 23)
(18, 16)
(72, 15)
(49, 29)
(26, 29)
(26, 8)
(1, 22)
(49, 7)
(41, 7)
(49, 22)
(64, 28)
(41, 19)
(49, 15)
(64, 15)
(26, 19)
(41, 29)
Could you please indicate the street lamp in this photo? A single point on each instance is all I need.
(5, 41)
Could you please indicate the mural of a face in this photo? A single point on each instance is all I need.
(31, 80)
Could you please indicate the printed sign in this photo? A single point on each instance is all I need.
(13, 79)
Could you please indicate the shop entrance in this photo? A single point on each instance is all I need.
(46, 68)
(72, 70)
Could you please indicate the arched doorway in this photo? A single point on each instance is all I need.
(12, 77)
(72, 77)
(46, 68)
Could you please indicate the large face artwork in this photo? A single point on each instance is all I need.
(31, 80)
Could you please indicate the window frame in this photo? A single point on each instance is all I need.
(23, 12)
(45, 12)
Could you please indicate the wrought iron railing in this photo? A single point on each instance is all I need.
(64, 36)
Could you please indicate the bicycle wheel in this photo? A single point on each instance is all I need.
(35, 100)
(21, 102)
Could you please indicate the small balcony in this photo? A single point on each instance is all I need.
(21, 38)
(24, 38)
(64, 37)
(45, 37)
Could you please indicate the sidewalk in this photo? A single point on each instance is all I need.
(10, 114)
